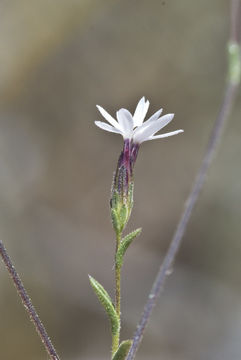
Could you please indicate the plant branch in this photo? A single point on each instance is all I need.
(117, 278)
(28, 304)
(226, 106)
(116, 338)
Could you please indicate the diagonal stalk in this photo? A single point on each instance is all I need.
(234, 71)
(28, 304)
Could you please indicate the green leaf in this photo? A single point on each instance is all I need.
(115, 221)
(123, 216)
(106, 301)
(125, 243)
(130, 194)
(123, 350)
(114, 199)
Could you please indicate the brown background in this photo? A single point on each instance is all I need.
(58, 60)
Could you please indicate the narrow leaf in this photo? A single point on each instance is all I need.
(123, 217)
(125, 243)
(115, 221)
(123, 350)
(106, 301)
(100, 287)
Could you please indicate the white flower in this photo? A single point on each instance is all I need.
(133, 127)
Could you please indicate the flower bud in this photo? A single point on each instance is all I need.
(122, 189)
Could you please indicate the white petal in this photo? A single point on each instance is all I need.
(140, 112)
(125, 121)
(148, 129)
(108, 117)
(154, 117)
(164, 135)
(107, 127)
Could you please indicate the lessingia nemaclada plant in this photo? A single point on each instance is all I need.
(134, 131)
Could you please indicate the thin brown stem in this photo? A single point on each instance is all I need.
(226, 106)
(28, 304)
(235, 23)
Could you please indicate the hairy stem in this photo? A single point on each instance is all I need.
(116, 338)
(117, 279)
(226, 106)
(28, 304)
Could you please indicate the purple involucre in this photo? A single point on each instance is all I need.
(124, 171)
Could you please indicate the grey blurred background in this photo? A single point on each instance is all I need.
(58, 60)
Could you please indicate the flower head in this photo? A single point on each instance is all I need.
(133, 127)
(135, 131)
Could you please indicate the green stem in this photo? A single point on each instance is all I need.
(117, 278)
(116, 337)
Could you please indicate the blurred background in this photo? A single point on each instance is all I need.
(58, 60)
